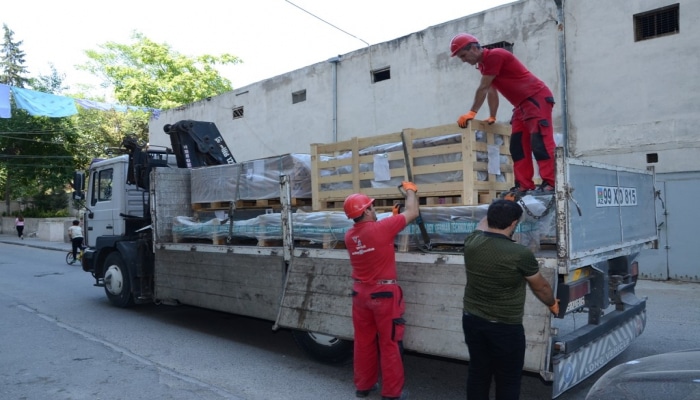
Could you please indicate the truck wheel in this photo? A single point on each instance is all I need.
(117, 281)
(324, 348)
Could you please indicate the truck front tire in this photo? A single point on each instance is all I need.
(324, 348)
(117, 281)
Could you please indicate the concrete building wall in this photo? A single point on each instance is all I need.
(626, 98)
(630, 98)
(427, 87)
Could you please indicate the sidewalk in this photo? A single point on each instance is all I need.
(35, 242)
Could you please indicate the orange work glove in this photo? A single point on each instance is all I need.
(554, 308)
(490, 120)
(409, 186)
(464, 119)
(397, 209)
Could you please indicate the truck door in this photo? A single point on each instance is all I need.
(103, 204)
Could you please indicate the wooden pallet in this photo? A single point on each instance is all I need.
(327, 243)
(337, 172)
(261, 203)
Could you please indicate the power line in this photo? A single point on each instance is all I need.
(37, 156)
(324, 21)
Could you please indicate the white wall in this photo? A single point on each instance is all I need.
(626, 98)
(427, 87)
(633, 97)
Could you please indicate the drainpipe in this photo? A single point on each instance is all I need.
(335, 61)
(562, 75)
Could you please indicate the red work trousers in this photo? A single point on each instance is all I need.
(533, 134)
(377, 312)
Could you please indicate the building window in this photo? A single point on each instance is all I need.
(660, 22)
(500, 45)
(379, 75)
(298, 97)
(238, 112)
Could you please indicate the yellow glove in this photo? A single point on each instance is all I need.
(464, 119)
(554, 308)
(490, 120)
(409, 186)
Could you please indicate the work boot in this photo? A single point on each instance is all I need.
(543, 190)
(365, 393)
(404, 396)
(514, 194)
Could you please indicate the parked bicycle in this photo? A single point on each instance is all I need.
(70, 260)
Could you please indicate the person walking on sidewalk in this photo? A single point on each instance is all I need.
(532, 129)
(75, 233)
(494, 300)
(19, 225)
(377, 299)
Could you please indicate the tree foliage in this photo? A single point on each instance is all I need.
(52, 83)
(39, 154)
(12, 64)
(36, 154)
(149, 74)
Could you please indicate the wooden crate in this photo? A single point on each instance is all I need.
(340, 169)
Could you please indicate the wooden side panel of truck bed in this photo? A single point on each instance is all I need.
(241, 284)
(317, 298)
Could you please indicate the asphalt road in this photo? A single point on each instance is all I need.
(61, 339)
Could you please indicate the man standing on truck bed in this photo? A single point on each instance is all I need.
(377, 303)
(532, 130)
(494, 300)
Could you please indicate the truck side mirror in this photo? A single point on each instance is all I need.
(79, 185)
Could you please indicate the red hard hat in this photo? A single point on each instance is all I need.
(460, 40)
(356, 204)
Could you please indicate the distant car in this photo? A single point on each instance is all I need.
(668, 376)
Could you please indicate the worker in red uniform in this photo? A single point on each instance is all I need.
(532, 130)
(377, 303)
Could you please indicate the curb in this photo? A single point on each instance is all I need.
(35, 245)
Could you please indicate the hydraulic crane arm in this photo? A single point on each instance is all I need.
(198, 144)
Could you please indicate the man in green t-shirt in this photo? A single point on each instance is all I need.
(494, 299)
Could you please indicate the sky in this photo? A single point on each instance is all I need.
(272, 37)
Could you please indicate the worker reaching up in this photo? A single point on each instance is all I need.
(532, 130)
(377, 302)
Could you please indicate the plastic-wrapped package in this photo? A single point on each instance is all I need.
(445, 225)
(252, 180)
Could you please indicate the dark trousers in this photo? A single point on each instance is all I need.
(20, 230)
(77, 244)
(496, 351)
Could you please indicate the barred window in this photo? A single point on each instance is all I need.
(660, 22)
(500, 45)
(238, 112)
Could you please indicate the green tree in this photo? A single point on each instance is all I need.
(52, 83)
(37, 155)
(100, 133)
(149, 74)
(12, 66)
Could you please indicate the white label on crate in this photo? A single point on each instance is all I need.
(613, 196)
(494, 165)
(382, 171)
